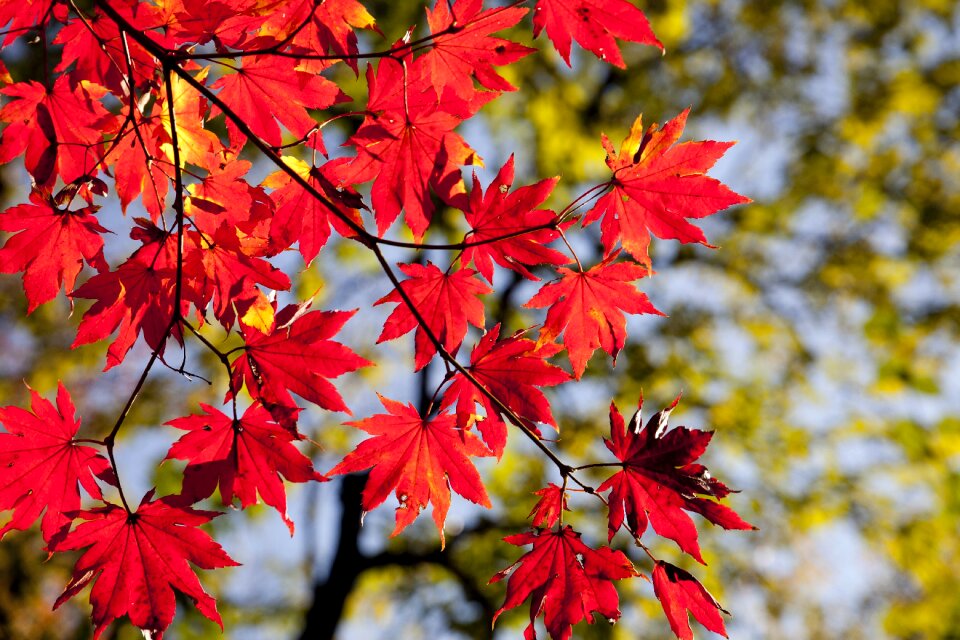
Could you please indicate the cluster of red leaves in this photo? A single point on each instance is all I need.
(128, 112)
(659, 479)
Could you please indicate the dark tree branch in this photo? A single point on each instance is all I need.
(330, 596)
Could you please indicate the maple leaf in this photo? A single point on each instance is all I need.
(94, 50)
(244, 457)
(552, 503)
(197, 145)
(231, 221)
(407, 146)
(658, 184)
(42, 466)
(447, 302)
(588, 307)
(224, 197)
(50, 246)
(20, 16)
(200, 21)
(58, 132)
(498, 214)
(329, 28)
(222, 270)
(565, 580)
(136, 560)
(594, 24)
(419, 460)
(270, 88)
(137, 164)
(138, 297)
(302, 218)
(659, 480)
(335, 21)
(679, 592)
(297, 356)
(511, 370)
(468, 48)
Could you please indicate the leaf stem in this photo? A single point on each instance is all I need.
(570, 247)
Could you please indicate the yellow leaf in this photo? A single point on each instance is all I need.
(260, 315)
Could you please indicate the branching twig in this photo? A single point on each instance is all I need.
(170, 62)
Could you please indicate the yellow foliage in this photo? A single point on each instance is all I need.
(673, 25)
(912, 95)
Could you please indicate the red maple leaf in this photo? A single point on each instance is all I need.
(270, 88)
(223, 272)
(658, 184)
(659, 480)
(302, 218)
(594, 24)
(419, 460)
(200, 21)
(679, 592)
(136, 560)
(224, 197)
(58, 132)
(498, 214)
(21, 16)
(511, 370)
(244, 457)
(447, 302)
(407, 145)
(42, 466)
(51, 245)
(552, 503)
(138, 167)
(231, 233)
(468, 50)
(137, 297)
(588, 307)
(95, 50)
(335, 20)
(565, 580)
(296, 355)
(326, 26)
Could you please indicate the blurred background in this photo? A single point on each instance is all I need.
(821, 341)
